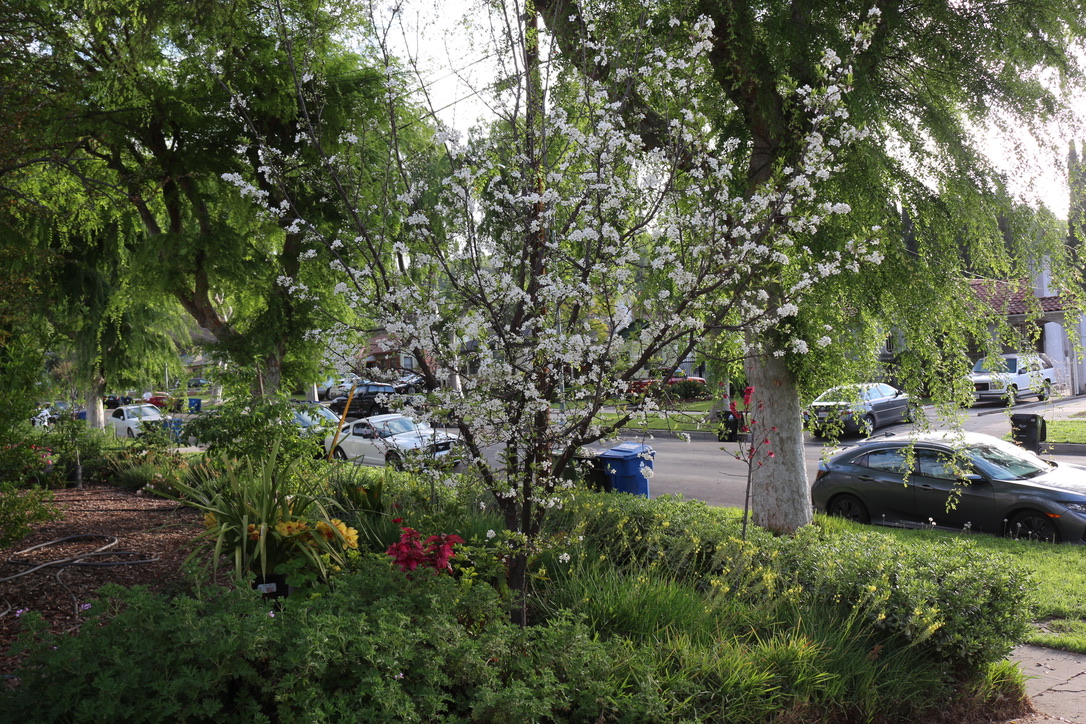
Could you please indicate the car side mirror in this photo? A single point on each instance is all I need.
(973, 479)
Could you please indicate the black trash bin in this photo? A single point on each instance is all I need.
(587, 467)
(1028, 431)
(729, 427)
(629, 465)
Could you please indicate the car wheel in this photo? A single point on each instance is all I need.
(131, 433)
(338, 454)
(848, 507)
(868, 424)
(1033, 525)
(393, 461)
(1046, 391)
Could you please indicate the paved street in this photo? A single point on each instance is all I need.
(700, 469)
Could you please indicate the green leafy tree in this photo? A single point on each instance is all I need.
(933, 73)
(145, 117)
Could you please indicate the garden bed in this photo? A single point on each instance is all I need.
(148, 528)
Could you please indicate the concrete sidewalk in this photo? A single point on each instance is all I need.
(1055, 682)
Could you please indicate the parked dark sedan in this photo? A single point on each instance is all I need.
(857, 409)
(367, 400)
(956, 481)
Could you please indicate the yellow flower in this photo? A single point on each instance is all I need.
(291, 528)
(347, 534)
(325, 531)
(350, 535)
(210, 521)
(254, 532)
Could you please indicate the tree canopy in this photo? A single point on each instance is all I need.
(933, 74)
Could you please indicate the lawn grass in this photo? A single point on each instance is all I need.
(1066, 431)
(1058, 573)
(674, 421)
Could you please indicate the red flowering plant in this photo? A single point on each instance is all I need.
(754, 446)
(412, 553)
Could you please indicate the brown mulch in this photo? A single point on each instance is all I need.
(153, 537)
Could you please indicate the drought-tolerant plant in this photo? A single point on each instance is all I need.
(21, 506)
(150, 462)
(263, 514)
(960, 604)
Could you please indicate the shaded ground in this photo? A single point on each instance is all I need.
(152, 535)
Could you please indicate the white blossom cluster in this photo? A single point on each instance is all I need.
(558, 256)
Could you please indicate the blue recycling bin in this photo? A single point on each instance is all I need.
(194, 404)
(174, 428)
(629, 466)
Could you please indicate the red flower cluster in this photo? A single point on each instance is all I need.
(412, 552)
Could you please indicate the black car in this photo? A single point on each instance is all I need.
(409, 384)
(954, 481)
(368, 400)
(112, 402)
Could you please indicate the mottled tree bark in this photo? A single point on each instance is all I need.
(780, 495)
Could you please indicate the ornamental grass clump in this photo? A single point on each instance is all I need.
(265, 516)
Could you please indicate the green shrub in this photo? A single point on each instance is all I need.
(80, 452)
(380, 647)
(246, 427)
(20, 508)
(966, 607)
(690, 390)
(147, 464)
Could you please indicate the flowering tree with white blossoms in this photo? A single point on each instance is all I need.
(556, 255)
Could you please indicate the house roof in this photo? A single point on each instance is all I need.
(1014, 297)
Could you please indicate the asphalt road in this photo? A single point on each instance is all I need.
(704, 469)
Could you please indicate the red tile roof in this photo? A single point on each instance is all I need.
(1015, 296)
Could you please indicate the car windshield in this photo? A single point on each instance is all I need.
(315, 415)
(398, 425)
(147, 412)
(1003, 366)
(1006, 462)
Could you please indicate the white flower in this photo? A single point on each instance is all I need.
(788, 310)
(563, 558)
(490, 534)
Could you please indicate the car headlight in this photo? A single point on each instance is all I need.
(1077, 507)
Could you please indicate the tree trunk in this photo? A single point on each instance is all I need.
(780, 495)
(96, 413)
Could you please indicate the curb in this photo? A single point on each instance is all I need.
(1063, 448)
